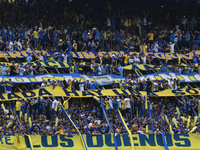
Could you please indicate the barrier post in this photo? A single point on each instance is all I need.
(106, 117)
(82, 139)
(151, 117)
(195, 114)
(104, 113)
(165, 144)
(30, 141)
(127, 129)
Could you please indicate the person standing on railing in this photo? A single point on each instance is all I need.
(9, 86)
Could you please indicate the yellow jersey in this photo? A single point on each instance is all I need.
(144, 48)
(66, 105)
(126, 22)
(70, 86)
(59, 105)
(123, 104)
(126, 59)
(18, 106)
(106, 105)
(35, 34)
(150, 35)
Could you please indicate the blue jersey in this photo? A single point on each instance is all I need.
(97, 35)
(23, 34)
(92, 86)
(13, 36)
(96, 69)
(40, 35)
(31, 33)
(144, 86)
(114, 62)
(10, 35)
(9, 86)
(4, 32)
(18, 34)
(126, 85)
(179, 38)
(54, 36)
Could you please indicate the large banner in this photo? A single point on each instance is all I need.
(51, 64)
(58, 91)
(19, 54)
(140, 67)
(99, 80)
(169, 56)
(92, 55)
(97, 142)
(167, 75)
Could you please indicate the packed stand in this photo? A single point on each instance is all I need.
(89, 30)
(89, 119)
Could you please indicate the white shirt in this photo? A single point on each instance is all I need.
(54, 104)
(32, 70)
(175, 87)
(100, 70)
(119, 103)
(155, 88)
(138, 22)
(171, 47)
(11, 46)
(48, 127)
(155, 47)
(110, 104)
(7, 111)
(98, 122)
(140, 132)
(108, 22)
(21, 71)
(171, 84)
(137, 60)
(64, 57)
(19, 46)
(81, 87)
(184, 21)
(90, 117)
(144, 59)
(48, 83)
(145, 21)
(41, 58)
(65, 31)
(90, 124)
(43, 85)
(12, 117)
(128, 102)
(130, 60)
(82, 115)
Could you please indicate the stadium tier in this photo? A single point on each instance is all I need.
(87, 75)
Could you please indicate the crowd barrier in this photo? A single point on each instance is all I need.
(106, 142)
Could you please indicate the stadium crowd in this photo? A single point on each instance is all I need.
(92, 29)
(87, 29)
(88, 117)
